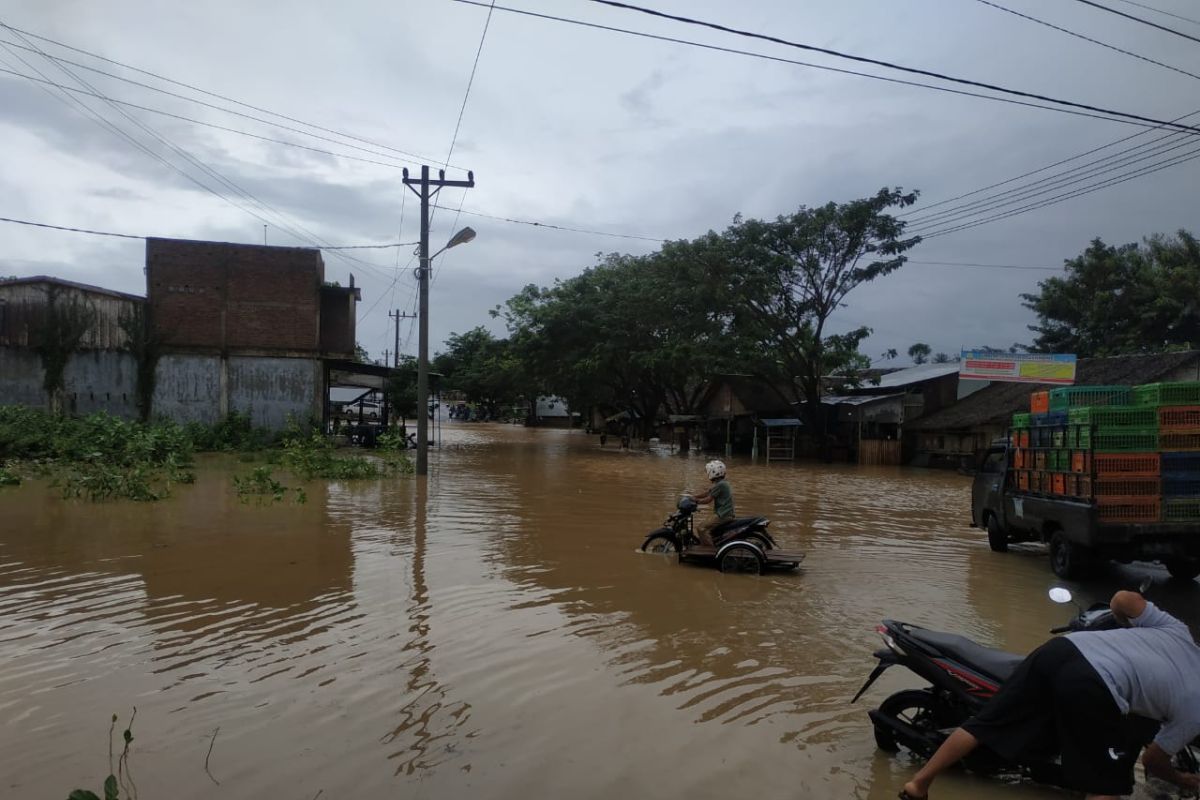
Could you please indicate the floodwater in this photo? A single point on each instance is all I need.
(493, 633)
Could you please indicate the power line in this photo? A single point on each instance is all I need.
(1070, 195)
(1065, 178)
(1088, 38)
(986, 266)
(809, 64)
(194, 121)
(556, 227)
(153, 236)
(418, 158)
(1160, 11)
(1135, 19)
(886, 64)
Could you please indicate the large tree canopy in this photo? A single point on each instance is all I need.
(1127, 299)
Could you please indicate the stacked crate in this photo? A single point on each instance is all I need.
(1134, 453)
(1177, 410)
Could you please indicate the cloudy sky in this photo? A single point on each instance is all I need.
(587, 129)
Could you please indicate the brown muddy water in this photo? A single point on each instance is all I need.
(492, 634)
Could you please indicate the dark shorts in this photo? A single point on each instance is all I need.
(1055, 701)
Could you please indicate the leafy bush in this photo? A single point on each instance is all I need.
(261, 484)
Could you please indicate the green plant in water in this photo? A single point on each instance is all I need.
(8, 477)
(261, 484)
(122, 779)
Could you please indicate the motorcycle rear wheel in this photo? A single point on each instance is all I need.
(916, 708)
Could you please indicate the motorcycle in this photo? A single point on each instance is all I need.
(963, 675)
(739, 545)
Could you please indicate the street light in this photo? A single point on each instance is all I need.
(462, 237)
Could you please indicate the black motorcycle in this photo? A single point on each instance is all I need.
(963, 675)
(739, 545)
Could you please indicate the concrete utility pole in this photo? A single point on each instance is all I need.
(424, 184)
(396, 315)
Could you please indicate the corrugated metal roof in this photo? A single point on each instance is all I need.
(786, 422)
(857, 399)
(917, 374)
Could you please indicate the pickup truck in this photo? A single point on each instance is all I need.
(1077, 539)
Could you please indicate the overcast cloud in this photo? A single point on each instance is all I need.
(586, 129)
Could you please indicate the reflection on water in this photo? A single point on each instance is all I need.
(492, 632)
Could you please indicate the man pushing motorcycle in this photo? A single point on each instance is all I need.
(1077, 690)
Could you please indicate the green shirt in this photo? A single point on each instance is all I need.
(722, 496)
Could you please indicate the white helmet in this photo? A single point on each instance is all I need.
(715, 469)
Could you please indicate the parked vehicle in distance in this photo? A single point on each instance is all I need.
(1077, 538)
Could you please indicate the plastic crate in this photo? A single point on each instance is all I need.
(1114, 416)
(1021, 438)
(1181, 509)
(1081, 461)
(1179, 417)
(1181, 485)
(1180, 462)
(1021, 421)
(1040, 457)
(1049, 418)
(1018, 458)
(1133, 510)
(1058, 483)
(1127, 486)
(1083, 486)
(1167, 394)
(1145, 464)
(1179, 440)
(1023, 480)
(1037, 479)
(1083, 438)
(1042, 436)
(1124, 440)
(1039, 402)
(1066, 397)
(1058, 437)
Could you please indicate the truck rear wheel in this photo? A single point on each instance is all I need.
(997, 536)
(1183, 569)
(1068, 559)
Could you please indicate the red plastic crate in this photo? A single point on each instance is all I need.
(1146, 464)
(1128, 509)
(1127, 486)
(1039, 402)
(1058, 483)
(1179, 440)
(1022, 438)
(1081, 461)
(1179, 417)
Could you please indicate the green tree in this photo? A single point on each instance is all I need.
(482, 367)
(360, 354)
(919, 352)
(790, 275)
(402, 390)
(942, 358)
(1126, 299)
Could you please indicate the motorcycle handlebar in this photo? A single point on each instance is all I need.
(1061, 629)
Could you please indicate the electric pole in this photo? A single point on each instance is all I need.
(423, 313)
(396, 315)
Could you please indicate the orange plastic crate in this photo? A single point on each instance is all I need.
(1147, 464)
(1039, 402)
(1127, 486)
(1083, 486)
(1178, 417)
(1081, 461)
(1039, 459)
(1020, 459)
(1179, 440)
(1058, 483)
(1022, 438)
(1023, 481)
(1128, 509)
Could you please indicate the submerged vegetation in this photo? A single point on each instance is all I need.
(101, 457)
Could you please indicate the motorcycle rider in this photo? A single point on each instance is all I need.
(720, 494)
(1078, 689)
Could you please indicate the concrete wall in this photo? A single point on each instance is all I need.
(188, 389)
(94, 380)
(272, 389)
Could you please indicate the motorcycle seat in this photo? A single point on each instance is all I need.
(734, 524)
(997, 663)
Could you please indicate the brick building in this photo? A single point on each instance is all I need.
(246, 328)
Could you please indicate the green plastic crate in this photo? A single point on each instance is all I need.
(1114, 416)
(1124, 440)
(1181, 509)
(1021, 422)
(1167, 394)
(1083, 437)
(1066, 397)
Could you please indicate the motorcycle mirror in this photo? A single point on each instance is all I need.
(1060, 595)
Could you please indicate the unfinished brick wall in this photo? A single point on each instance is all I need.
(221, 297)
